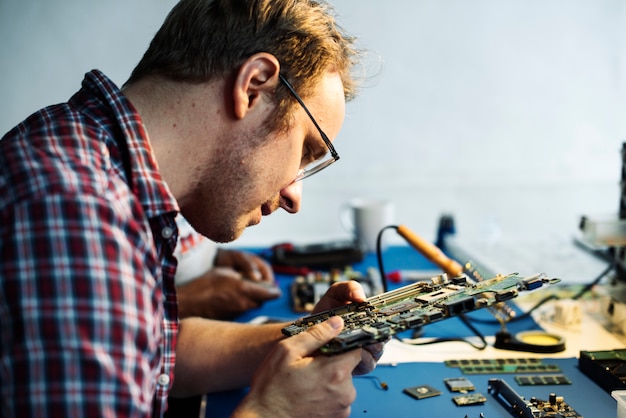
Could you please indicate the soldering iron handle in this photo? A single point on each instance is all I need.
(431, 252)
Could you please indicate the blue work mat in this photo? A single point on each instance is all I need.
(372, 401)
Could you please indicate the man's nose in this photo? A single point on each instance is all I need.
(291, 197)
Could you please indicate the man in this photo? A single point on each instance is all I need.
(208, 125)
(218, 283)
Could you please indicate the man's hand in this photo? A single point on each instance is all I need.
(340, 294)
(294, 381)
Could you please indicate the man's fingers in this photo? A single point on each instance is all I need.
(261, 291)
(312, 339)
(253, 267)
(339, 294)
(350, 290)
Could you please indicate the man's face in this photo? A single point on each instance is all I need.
(247, 181)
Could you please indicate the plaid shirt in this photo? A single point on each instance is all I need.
(87, 302)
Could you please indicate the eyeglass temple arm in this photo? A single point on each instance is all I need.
(297, 97)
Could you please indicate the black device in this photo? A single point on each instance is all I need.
(321, 256)
(606, 368)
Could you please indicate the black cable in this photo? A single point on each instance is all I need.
(379, 383)
(464, 319)
(379, 255)
(456, 339)
(588, 287)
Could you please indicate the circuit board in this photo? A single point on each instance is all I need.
(554, 406)
(306, 290)
(417, 304)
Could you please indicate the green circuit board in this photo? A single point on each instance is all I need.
(417, 304)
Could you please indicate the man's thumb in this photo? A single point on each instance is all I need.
(318, 335)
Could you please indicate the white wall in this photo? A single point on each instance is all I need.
(509, 115)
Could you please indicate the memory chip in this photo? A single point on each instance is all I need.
(539, 380)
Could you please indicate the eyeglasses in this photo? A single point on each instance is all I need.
(326, 160)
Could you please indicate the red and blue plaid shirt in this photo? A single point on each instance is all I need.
(88, 308)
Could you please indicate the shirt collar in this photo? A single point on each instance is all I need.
(146, 183)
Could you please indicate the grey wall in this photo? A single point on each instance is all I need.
(510, 115)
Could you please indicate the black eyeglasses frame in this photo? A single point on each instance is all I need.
(304, 173)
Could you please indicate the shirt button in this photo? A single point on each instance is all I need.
(167, 232)
(164, 379)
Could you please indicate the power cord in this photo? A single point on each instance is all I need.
(438, 340)
(379, 256)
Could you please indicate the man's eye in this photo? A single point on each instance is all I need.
(308, 155)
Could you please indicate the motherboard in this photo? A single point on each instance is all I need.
(421, 303)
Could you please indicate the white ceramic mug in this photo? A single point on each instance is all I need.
(365, 218)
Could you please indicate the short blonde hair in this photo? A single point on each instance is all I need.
(202, 39)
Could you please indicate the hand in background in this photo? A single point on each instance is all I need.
(238, 282)
(222, 293)
(249, 265)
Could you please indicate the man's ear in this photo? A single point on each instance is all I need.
(257, 75)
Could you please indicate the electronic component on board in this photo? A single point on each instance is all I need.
(503, 366)
(408, 307)
(540, 380)
(471, 399)
(459, 384)
(554, 406)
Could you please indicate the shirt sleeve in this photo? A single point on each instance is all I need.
(81, 309)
